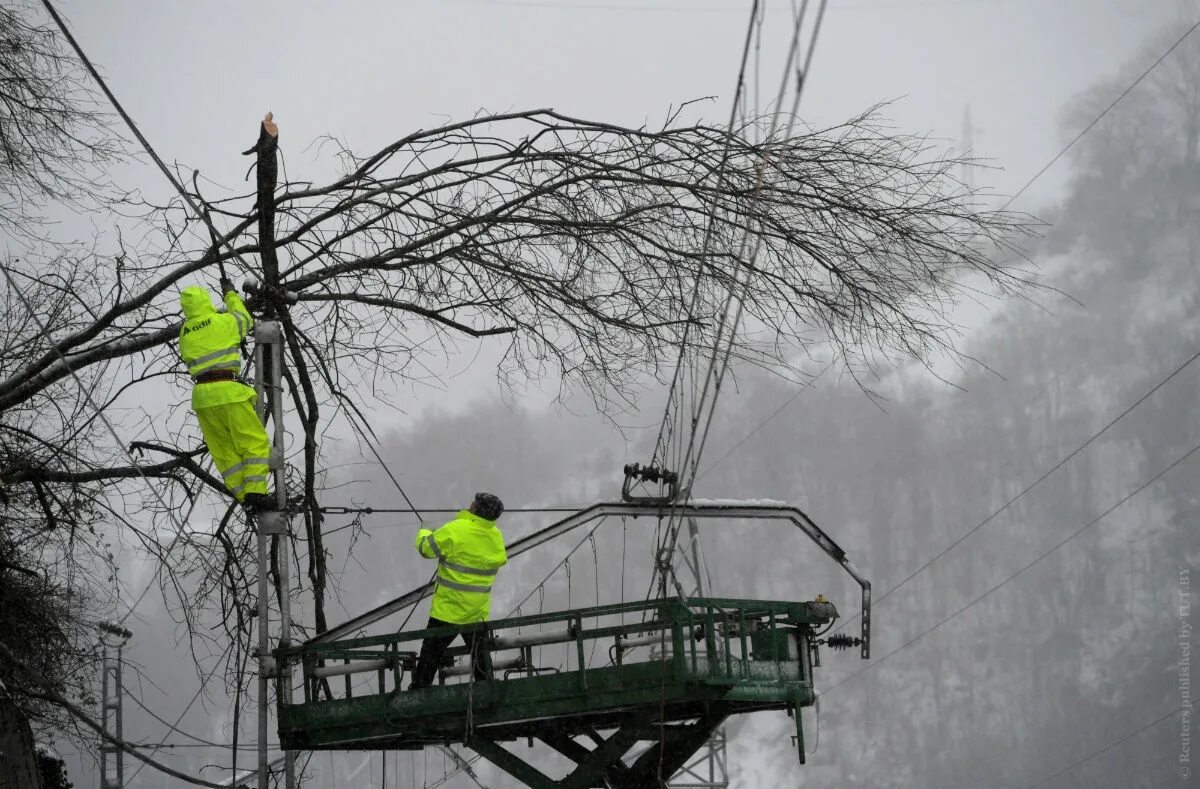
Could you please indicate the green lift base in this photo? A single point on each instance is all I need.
(675, 671)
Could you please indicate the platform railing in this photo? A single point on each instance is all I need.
(712, 639)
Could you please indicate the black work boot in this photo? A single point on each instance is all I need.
(259, 502)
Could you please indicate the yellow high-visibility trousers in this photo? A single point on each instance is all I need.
(238, 444)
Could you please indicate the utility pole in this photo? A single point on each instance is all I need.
(968, 146)
(113, 638)
(272, 525)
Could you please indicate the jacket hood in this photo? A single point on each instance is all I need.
(196, 301)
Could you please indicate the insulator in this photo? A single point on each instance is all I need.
(650, 473)
(840, 641)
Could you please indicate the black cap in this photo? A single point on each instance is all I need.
(487, 506)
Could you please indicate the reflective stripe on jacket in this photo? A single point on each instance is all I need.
(469, 551)
(210, 341)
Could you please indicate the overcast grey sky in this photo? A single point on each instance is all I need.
(198, 75)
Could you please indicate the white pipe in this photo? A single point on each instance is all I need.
(643, 641)
(457, 671)
(361, 667)
(534, 639)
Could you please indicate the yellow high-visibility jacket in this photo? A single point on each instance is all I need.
(469, 551)
(209, 340)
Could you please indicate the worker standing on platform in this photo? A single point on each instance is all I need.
(209, 342)
(469, 551)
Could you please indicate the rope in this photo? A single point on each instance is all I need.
(371, 446)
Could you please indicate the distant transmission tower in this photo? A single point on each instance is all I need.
(968, 146)
(112, 758)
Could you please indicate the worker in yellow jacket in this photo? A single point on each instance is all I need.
(209, 342)
(469, 552)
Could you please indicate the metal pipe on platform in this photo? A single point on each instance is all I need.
(533, 639)
(361, 667)
(458, 671)
(641, 641)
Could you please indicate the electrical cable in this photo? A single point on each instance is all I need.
(1120, 416)
(1045, 475)
(1109, 747)
(173, 728)
(140, 137)
(660, 444)
(1036, 176)
(200, 742)
(801, 77)
(45, 335)
(713, 378)
(880, 661)
(805, 387)
(150, 584)
(335, 510)
(1098, 118)
(88, 721)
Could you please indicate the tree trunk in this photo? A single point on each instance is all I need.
(18, 765)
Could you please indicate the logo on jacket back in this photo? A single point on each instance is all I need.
(201, 325)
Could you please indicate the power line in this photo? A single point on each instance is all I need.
(1098, 118)
(666, 428)
(711, 9)
(200, 742)
(203, 216)
(1021, 571)
(371, 446)
(1035, 483)
(226, 746)
(762, 424)
(50, 691)
(1120, 416)
(174, 727)
(705, 408)
(334, 510)
(1108, 747)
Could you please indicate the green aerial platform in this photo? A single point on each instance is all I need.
(626, 692)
